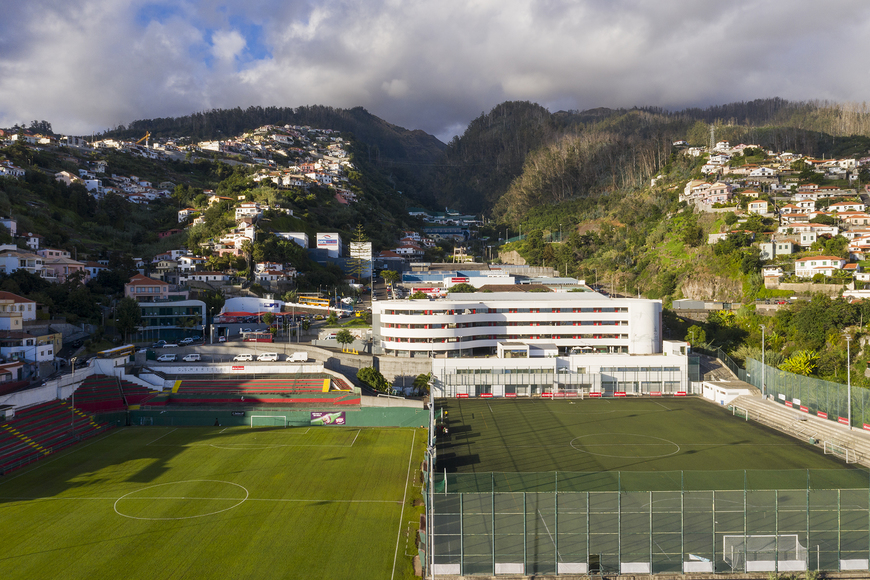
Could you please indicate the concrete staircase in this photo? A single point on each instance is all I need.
(805, 426)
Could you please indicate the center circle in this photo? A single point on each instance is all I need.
(624, 445)
(181, 500)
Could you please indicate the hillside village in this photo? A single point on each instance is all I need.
(807, 206)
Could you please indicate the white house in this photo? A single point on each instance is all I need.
(809, 267)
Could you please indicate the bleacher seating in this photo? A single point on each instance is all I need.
(135, 394)
(42, 429)
(292, 385)
(98, 394)
(291, 391)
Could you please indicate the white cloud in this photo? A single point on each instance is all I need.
(227, 44)
(93, 64)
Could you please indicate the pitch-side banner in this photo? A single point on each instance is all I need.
(318, 418)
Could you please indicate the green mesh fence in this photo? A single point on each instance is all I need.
(650, 523)
(816, 395)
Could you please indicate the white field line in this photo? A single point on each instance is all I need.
(263, 499)
(404, 497)
(222, 430)
(39, 464)
(161, 437)
(354, 439)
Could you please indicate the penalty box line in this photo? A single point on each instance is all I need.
(174, 498)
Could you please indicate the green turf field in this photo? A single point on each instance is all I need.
(154, 503)
(642, 438)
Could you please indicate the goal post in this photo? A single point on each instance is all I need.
(840, 450)
(268, 421)
(740, 412)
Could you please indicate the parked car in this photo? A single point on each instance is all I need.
(186, 341)
(166, 358)
(222, 339)
(158, 344)
(170, 345)
(330, 336)
(298, 357)
(192, 357)
(243, 357)
(247, 330)
(268, 356)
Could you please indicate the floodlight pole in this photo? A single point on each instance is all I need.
(763, 374)
(72, 409)
(848, 382)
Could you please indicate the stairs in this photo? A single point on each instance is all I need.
(805, 426)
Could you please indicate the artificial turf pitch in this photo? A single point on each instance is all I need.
(652, 435)
(319, 502)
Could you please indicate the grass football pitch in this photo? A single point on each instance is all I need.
(656, 444)
(157, 502)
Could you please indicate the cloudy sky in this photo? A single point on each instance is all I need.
(89, 65)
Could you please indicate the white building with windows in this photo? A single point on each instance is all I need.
(475, 324)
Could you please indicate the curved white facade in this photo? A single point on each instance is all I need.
(473, 324)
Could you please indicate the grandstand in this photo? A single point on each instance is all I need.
(43, 429)
(307, 390)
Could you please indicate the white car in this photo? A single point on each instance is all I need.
(166, 358)
(243, 357)
(186, 341)
(268, 356)
(192, 357)
(222, 339)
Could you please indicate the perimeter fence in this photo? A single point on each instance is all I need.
(823, 398)
(649, 522)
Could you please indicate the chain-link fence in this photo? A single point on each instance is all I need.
(564, 523)
(822, 398)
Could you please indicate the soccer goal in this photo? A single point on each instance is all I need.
(740, 412)
(268, 421)
(764, 552)
(847, 454)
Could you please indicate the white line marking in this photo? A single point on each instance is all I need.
(404, 497)
(264, 499)
(39, 464)
(239, 501)
(354, 439)
(546, 527)
(161, 437)
(222, 430)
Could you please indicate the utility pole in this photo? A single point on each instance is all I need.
(763, 368)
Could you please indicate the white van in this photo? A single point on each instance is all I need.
(243, 357)
(298, 357)
(166, 358)
(267, 356)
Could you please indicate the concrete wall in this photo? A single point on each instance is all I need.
(805, 287)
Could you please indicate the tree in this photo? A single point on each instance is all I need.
(344, 337)
(128, 316)
(390, 276)
(374, 379)
(463, 288)
(696, 335)
(803, 362)
(694, 236)
(421, 382)
(418, 296)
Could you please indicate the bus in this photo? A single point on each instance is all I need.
(314, 301)
(258, 337)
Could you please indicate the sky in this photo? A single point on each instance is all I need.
(89, 65)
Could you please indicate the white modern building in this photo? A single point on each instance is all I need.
(587, 375)
(466, 325)
(331, 242)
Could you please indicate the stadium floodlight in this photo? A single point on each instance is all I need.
(848, 381)
(763, 374)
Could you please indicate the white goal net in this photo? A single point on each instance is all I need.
(840, 450)
(764, 552)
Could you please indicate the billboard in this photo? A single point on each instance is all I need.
(331, 242)
(319, 418)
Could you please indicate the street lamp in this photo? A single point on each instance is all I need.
(72, 410)
(848, 382)
(763, 373)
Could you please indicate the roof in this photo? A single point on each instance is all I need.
(15, 298)
(140, 280)
(819, 258)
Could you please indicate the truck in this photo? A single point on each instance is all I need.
(298, 357)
